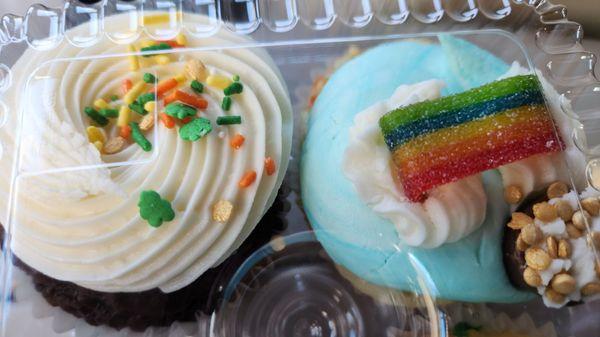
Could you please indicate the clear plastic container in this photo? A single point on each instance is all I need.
(79, 260)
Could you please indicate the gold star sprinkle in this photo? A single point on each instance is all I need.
(222, 211)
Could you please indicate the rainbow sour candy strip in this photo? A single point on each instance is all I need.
(441, 141)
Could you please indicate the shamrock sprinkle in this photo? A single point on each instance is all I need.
(195, 129)
(154, 209)
(180, 111)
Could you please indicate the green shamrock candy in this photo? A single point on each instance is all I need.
(154, 209)
(180, 111)
(195, 129)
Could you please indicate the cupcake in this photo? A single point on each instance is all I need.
(411, 174)
(138, 174)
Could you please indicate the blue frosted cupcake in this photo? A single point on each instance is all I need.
(449, 240)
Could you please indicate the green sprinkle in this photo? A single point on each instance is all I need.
(149, 78)
(226, 104)
(145, 98)
(139, 108)
(155, 209)
(114, 97)
(195, 129)
(228, 120)
(197, 86)
(139, 138)
(109, 113)
(462, 329)
(160, 46)
(236, 78)
(95, 116)
(179, 110)
(233, 88)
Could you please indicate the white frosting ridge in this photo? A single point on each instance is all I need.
(90, 231)
(451, 212)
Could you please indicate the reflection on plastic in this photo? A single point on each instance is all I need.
(354, 13)
(3, 114)
(75, 14)
(571, 69)
(164, 26)
(208, 8)
(428, 11)
(290, 287)
(5, 77)
(240, 16)
(461, 10)
(132, 11)
(13, 29)
(317, 14)
(560, 37)
(495, 9)
(44, 27)
(391, 12)
(582, 105)
(279, 15)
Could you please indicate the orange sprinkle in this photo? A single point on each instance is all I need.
(187, 119)
(247, 179)
(170, 99)
(125, 131)
(237, 141)
(191, 100)
(172, 43)
(163, 86)
(168, 121)
(126, 86)
(270, 166)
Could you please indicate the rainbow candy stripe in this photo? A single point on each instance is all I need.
(444, 140)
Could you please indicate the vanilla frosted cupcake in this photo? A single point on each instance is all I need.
(138, 173)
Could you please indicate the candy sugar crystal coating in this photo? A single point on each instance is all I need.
(444, 140)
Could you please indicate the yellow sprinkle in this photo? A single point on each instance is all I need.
(147, 43)
(180, 78)
(146, 62)
(155, 19)
(99, 145)
(162, 59)
(222, 211)
(150, 106)
(95, 134)
(181, 39)
(135, 91)
(134, 63)
(218, 81)
(100, 104)
(124, 116)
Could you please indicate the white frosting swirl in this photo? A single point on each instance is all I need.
(84, 226)
(451, 211)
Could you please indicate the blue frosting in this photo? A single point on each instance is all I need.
(355, 237)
